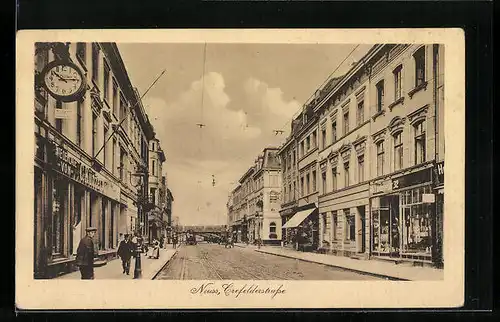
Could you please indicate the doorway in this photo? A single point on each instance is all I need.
(362, 230)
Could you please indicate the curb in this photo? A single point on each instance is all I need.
(163, 266)
(392, 278)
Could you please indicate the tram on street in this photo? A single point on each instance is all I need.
(191, 238)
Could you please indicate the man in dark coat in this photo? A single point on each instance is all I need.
(125, 251)
(85, 255)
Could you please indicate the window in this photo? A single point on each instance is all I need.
(302, 186)
(113, 165)
(122, 110)
(334, 131)
(314, 139)
(314, 180)
(106, 81)
(361, 169)
(323, 182)
(59, 191)
(59, 121)
(346, 174)
(335, 224)
(360, 117)
(302, 151)
(116, 99)
(106, 132)
(79, 108)
(95, 63)
(380, 158)
(419, 57)
(272, 227)
(398, 151)
(308, 183)
(122, 164)
(308, 144)
(81, 51)
(334, 178)
(323, 138)
(294, 158)
(102, 235)
(94, 134)
(294, 190)
(397, 82)
(152, 195)
(350, 226)
(153, 146)
(419, 142)
(380, 96)
(346, 122)
(290, 192)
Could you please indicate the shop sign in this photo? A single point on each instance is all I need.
(439, 169)
(381, 187)
(73, 168)
(428, 198)
(412, 179)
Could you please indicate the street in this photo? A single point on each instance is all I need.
(212, 261)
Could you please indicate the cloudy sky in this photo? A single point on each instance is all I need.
(241, 92)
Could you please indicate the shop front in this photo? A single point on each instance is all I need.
(403, 217)
(302, 229)
(69, 197)
(286, 214)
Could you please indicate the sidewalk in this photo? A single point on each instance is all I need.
(374, 267)
(113, 269)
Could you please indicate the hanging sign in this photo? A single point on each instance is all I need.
(63, 113)
(428, 198)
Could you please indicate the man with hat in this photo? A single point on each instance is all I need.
(85, 255)
(125, 251)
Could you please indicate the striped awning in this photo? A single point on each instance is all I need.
(298, 218)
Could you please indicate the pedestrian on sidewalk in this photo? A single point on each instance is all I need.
(85, 254)
(174, 241)
(125, 251)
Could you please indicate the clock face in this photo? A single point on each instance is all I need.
(63, 80)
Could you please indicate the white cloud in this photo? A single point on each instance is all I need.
(270, 99)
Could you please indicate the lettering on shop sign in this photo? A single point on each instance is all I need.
(422, 176)
(76, 170)
(439, 172)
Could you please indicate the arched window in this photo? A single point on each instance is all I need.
(272, 230)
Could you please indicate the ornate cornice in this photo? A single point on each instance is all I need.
(418, 115)
(379, 135)
(396, 125)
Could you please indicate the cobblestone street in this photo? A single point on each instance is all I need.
(213, 261)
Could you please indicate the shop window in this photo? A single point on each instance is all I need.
(416, 218)
(76, 218)
(380, 96)
(334, 131)
(361, 168)
(380, 158)
(346, 174)
(398, 151)
(419, 58)
(346, 122)
(398, 86)
(419, 130)
(360, 116)
(350, 225)
(59, 195)
(334, 178)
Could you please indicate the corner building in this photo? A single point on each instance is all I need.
(75, 185)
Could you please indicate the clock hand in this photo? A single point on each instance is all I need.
(60, 77)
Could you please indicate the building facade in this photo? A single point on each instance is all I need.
(371, 159)
(253, 206)
(157, 190)
(86, 155)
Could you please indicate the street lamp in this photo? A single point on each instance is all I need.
(136, 180)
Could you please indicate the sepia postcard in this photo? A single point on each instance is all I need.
(225, 169)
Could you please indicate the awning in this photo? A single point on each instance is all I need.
(298, 218)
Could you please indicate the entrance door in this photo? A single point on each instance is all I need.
(395, 234)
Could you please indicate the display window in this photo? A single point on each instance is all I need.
(417, 237)
(59, 202)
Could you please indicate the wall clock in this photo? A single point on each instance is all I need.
(63, 80)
